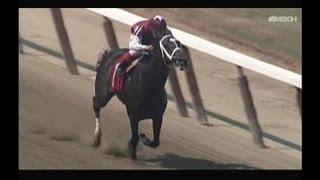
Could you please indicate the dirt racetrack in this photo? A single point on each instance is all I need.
(56, 121)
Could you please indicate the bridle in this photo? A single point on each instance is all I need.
(164, 52)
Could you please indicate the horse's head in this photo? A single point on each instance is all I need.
(172, 53)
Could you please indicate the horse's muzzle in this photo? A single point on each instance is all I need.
(181, 63)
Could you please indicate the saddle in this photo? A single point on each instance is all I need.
(116, 80)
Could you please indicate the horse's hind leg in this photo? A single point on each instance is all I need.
(156, 123)
(98, 103)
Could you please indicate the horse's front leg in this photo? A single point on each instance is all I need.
(157, 123)
(133, 142)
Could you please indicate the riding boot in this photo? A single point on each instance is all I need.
(122, 69)
(126, 60)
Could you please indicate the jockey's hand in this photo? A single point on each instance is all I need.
(148, 48)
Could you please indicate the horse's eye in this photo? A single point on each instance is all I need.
(165, 42)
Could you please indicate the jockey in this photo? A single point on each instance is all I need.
(142, 36)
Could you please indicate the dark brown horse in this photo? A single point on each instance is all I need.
(144, 93)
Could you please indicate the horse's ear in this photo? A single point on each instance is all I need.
(178, 43)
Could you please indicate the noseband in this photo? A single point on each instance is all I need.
(164, 51)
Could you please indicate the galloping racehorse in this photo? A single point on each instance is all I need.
(143, 93)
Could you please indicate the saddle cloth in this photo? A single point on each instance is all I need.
(117, 81)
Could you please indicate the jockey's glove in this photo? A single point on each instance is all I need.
(148, 47)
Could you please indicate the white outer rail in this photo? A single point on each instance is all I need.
(211, 48)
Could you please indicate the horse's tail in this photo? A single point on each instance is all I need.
(105, 60)
(105, 56)
(101, 55)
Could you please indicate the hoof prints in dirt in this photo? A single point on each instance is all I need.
(63, 136)
(37, 131)
(114, 150)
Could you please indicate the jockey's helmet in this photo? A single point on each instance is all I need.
(159, 23)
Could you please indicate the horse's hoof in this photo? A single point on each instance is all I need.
(131, 155)
(130, 152)
(96, 142)
(261, 145)
(206, 124)
(142, 135)
(145, 140)
(133, 158)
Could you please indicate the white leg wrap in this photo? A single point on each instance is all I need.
(97, 130)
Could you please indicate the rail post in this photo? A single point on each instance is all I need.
(64, 40)
(298, 90)
(110, 35)
(178, 97)
(254, 126)
(194, 90)
(21, 51)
